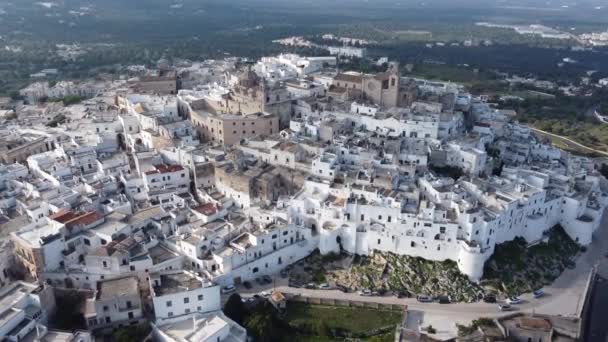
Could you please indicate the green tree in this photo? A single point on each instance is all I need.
(604, 170)
(235, 309)
(264, 323)
(138, 333)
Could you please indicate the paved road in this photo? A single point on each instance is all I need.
(596, 328)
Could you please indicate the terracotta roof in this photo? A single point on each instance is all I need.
(83, 219)
(116, 246)
(349, 78)
(277, 296)
(206, 209)
(63, 216)
(162, 168)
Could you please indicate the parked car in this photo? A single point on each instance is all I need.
(342, 288)
(445, 300)
(538, 293)
(404, 294)
(365, 293)
(570, 264)
(424, 299)
(513, 300)
(505, 307)
(228, 289)
(265, 294)
(324, 286)
(294, 284)
(386, 293)
(267, 279)
(310, 286)
(489, 298)
(247, 285)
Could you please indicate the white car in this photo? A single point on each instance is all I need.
(228, 289)
(365, 293)
(505, 307)
(264, 294)
(513, 300)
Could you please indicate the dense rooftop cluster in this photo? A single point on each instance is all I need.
(163, 187)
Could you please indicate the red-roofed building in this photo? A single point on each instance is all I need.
(82, 221)
(167, 177)
(162, 168)
(63, 216)
(206, 209)
(208, 212)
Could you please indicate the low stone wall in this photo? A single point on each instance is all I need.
(346, 303)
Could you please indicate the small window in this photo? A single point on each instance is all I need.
(170, 314)
(169, 304)
(200, 297)
(186, 300)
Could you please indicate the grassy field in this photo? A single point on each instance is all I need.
(323, 323)
(572, 148)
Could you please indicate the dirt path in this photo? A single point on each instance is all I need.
(569, 142)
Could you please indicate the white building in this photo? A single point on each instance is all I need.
(199, 327)
(347, 51)
(181, 293)
(24, 309)
(116, 302)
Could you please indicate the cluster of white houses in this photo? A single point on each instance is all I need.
(145, 197)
